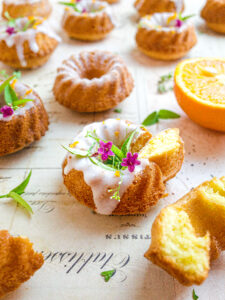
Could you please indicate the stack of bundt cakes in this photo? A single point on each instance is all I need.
(92, 81)
(104, 171)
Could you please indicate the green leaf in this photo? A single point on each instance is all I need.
(21, 188)
(5, 83)
(126, 145)
(108, 274)
(194, 296)
(117, 151)
(163, 83)
(3, 73)
(17, 74)
(22, 101)
(167, 114)
(118, 110)
(77, 151)
(74, 5)
(151, 119)
(186, 17)
(21, 201)
(10, 95)
(101, 165)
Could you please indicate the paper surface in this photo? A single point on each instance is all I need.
(78, 244)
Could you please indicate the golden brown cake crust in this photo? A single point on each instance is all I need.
(214, 11)
(148, 7)
(81, 83)
(204, 218)
(22, 130)
(46, 45)
(85, 27)
(18, 262)
(145, 191)
(172, 44)
(39, 9)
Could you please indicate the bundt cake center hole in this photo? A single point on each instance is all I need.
(94, 73)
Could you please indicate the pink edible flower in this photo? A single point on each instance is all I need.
(179, 23)
(84, 10)
(131, 161)
(7, 111)
(105, 150)
(10, 30)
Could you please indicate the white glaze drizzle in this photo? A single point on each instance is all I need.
(29, 35)
(93, 8)
(99, 179)
(159, 22)
(21, 90)
(71, 71)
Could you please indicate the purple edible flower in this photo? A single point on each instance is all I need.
(105, 150)
(10, 30)
(179, 23)
(7, 111)
(131, 161)
(84, 10)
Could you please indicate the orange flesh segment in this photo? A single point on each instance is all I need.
(206, 80)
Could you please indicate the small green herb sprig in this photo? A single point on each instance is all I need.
(118, 110)
(194, 296)
(114, 163)
(108, 274)
(18, 191)
(180, 17)
(11, 22)
(155, 116)
(10, 96)
(70, 4)
(164, 83)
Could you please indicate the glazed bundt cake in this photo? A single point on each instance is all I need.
(18, 262)
(26, 8)
(214, 15)
(22, 121)
(190, 233)
(87, 20)
(26, 44)
(92, 81)
(165, 36)
(149, 7)
(109, 167)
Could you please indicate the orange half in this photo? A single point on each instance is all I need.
(200, 91)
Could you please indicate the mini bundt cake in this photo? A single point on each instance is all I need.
(190, 233)
(149, 7)
(26, 42)
(87, 20)
(165, 36)
(92, 81)
(109, 167)
(18, 262)
(23, 118)
(214, 15)
(26, 8)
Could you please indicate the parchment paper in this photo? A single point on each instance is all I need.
(78, 244)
